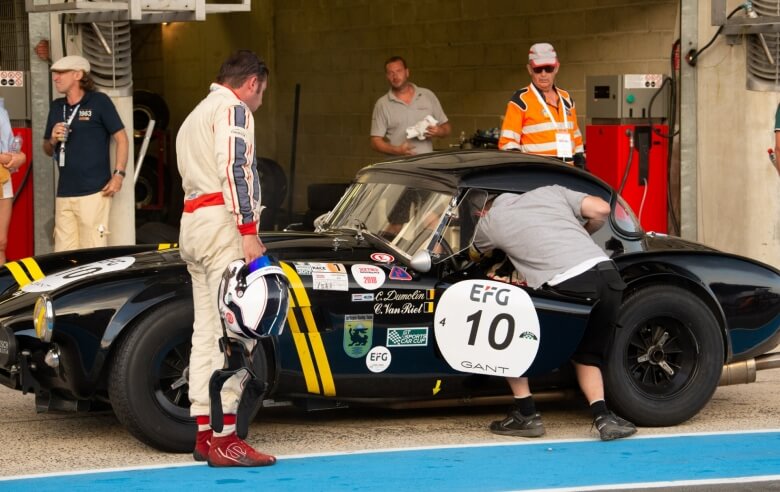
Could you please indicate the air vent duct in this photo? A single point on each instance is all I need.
(107, 46)
(762, 75)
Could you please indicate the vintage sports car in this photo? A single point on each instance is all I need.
(387, 307)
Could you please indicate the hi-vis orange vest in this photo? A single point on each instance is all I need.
(527, 127)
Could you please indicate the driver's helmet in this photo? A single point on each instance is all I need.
(253, 299)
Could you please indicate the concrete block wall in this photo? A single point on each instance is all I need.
(471, 53)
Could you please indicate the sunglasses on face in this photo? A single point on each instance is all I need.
(548, 69)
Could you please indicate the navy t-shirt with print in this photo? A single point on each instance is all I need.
(87, 166)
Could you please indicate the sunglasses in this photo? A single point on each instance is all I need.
(547, 68)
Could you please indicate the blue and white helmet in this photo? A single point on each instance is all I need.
(253, 299)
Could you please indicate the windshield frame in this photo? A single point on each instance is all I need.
(404, 218)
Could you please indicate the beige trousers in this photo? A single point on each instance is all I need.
(81, 222)
(208, 242)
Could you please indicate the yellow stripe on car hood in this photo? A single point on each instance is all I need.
(21, 278)
(301, 300)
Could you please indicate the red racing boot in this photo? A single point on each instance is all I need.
(232, 451)
(202, 445)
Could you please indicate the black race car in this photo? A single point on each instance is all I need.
(389, 308)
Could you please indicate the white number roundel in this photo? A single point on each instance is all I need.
(487, 327)
(65, 277)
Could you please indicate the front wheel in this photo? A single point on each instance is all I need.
(666, 359)
(148, 381)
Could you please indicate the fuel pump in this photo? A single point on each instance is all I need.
(626, 144)
(15, 97)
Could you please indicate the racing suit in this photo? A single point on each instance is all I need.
(216, 159)
(529, 127)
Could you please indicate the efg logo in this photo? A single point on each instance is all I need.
(482, 293)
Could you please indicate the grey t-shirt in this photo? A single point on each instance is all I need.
(392, 117)
(540, 231)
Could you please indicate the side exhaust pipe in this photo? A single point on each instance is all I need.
(745, 371)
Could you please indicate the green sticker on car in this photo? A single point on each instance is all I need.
(407, 337)
(358, 334)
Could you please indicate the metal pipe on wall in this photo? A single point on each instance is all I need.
(293, 150)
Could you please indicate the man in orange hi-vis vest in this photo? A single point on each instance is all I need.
(540, 118)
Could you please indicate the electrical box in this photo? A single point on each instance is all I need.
(15, 93)
(626, 97)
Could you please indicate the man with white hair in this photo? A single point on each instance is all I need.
(540, 118)
(78, 135)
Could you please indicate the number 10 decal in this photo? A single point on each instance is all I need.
(474, 320)
(487, 327)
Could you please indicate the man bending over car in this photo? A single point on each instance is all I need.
(546, 235)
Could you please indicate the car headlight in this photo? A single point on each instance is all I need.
(43, 318)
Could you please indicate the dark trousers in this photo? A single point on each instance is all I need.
(603, 284)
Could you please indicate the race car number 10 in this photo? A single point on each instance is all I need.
(487, 327)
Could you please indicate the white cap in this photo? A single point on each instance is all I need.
(542, 54)
(72, 62)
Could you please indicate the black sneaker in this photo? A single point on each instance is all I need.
(620, 420)
(518, 425)
(610, 427)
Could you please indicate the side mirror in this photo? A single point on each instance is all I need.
(421, 261)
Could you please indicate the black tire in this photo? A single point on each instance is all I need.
(147, 106)
(146, 189)
(639, 388)
(147, 364)
(273, 182)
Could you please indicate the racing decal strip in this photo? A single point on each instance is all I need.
(304, 304)
(21, 278)
(309, 375)
(33, 268)
(328, 386)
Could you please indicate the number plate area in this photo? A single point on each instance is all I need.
(487, 327)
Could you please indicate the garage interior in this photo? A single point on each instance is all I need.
(717, 102)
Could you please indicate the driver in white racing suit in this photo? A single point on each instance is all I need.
(215, 147)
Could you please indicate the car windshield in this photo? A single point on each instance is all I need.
(405, 217)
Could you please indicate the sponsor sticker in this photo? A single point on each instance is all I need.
(302, 268)
(399, 273)
(363, 297)
(327, 268)
(329, 281)
(407, 337)
(487, 327)
(394, 301)
(378, 359)
(382, 257)
(370, 277)
(60, 279)
(358, 334)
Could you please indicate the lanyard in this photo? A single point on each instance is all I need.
(68, 121)
(547, 109)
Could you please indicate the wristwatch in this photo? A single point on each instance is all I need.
(119, 172)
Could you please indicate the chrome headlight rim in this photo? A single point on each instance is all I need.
(43, 318)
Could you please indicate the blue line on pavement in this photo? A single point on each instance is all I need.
(515, 466)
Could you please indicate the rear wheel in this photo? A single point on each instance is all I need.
(666, 359)
(148, 383)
